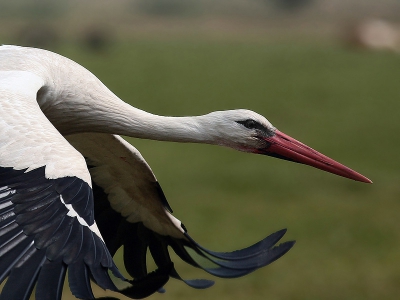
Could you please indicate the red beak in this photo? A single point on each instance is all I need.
(285, 147)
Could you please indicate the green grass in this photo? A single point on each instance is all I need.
(345, 104)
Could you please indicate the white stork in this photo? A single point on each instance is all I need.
(72, 191)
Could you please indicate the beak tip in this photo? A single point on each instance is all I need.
(367, 180)
(358, 177)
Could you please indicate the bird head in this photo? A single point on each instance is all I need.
(248, 131)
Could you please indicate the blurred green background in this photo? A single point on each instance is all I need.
(303, 66)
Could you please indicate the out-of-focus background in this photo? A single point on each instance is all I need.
(323, 71)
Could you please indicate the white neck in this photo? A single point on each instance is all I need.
(75, 100)
(104, 112)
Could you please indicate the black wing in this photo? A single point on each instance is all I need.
(128, 175)
(137, 239)
(47, 226)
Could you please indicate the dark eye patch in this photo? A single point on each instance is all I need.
(253, 124)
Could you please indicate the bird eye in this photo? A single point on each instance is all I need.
(250, 124)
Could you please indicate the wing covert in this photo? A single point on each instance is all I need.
(46, 203)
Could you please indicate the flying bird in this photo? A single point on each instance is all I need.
(72, 191)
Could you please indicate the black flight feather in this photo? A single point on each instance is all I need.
(41, 237)
(137, 240)
(51, 280)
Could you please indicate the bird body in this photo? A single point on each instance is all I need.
(72, 191)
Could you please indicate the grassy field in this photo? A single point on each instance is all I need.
(342, 103)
